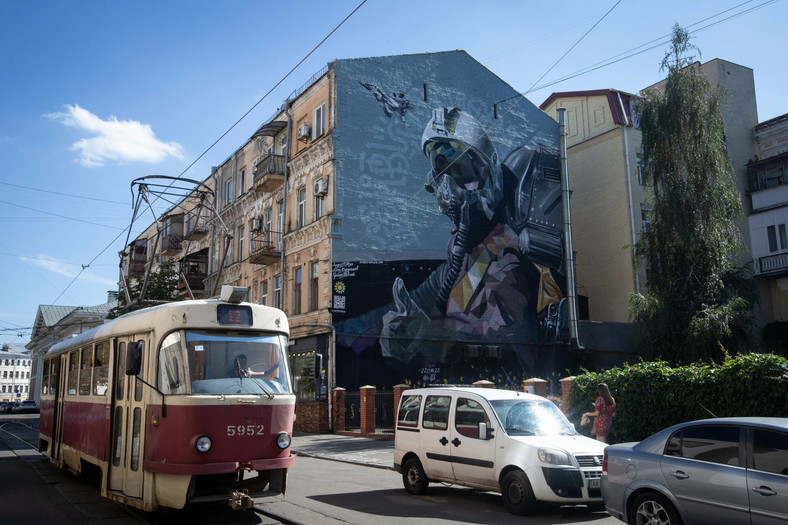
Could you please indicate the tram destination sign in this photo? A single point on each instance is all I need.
(234, 314)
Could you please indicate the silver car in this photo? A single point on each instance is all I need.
(715, 471)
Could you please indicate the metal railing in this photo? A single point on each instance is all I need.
(352, 411)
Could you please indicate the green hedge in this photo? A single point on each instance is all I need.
(651, 396)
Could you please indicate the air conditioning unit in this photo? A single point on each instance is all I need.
(304, 133)
(256, 225)
(321, 187)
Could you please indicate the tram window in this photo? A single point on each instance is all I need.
(73, 372)
(54, 375)
(135, 440)
(85, 370)
(138, 384)
(120, 368)
(101, 369)
(173, 375)
(116, 436)
(45, 379)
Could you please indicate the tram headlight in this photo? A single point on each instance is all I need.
(202, 444)
(283, 440)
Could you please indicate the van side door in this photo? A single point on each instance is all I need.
(435, 436)
(473, 456)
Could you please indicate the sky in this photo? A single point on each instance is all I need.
(94, 94)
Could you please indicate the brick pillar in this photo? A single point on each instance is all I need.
(483, 383)
(566, 388)
(398, 390)
(539, 386)
(367, 409)
(338, 416)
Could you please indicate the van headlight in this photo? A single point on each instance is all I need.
(283, 440)
(554, 456)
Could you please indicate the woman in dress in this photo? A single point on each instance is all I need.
(604, 410)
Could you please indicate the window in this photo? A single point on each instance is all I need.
(467, 416)
(297, 291)
(241, 232)
(85, 369)
(318, 207)
(319, 121)
(101, 370)
(301, 194)
(409, 411)
(777, 233)
(229, 190)
(770, 451)
(277, 292)
(264, 292)
(242, 187)
(644, 220)
(268, 225)
(436, 412)
(314, 286)
(714, 444)
(641, 172)
(280, 220)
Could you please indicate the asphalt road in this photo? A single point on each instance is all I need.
(319, 492)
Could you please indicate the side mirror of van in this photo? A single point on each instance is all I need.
(483, 431)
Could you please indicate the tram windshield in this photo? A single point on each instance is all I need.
(224, 362)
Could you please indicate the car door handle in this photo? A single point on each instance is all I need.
(456, 442)
(679, 475)
(764, 491)
(443, 441)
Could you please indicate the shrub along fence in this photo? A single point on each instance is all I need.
(651, 396)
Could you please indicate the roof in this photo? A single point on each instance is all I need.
(50, 315)
(621, 115)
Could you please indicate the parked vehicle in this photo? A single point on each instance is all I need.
(518, 444)
(725, 470)
(5, 407)
(14, 407)
(27, 407)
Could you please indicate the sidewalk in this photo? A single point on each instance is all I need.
(377, 453)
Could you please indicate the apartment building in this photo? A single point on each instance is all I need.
(14, 372)
(345, 209)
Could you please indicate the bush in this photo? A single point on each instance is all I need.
(651, 396)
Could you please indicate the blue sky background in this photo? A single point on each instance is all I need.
(94, 94)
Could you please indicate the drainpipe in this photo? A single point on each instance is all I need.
(570, 257)
(629, 189)
(286, 106)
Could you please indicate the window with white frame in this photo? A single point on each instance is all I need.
(277, 291)
(641, 172)
(264, 292)
(280, 219)
(301, 195)
(318, 121)
(229, 191)
(778, 240)
(241, 240)
(317, 209)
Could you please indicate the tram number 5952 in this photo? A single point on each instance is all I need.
(244, 430)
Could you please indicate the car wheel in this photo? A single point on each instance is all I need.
(518, 496)
(413, 477)
(653, 509)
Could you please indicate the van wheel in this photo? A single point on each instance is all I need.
(413, 477)
(652, 507)
(518, 497)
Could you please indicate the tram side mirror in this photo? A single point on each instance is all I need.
(134, 358)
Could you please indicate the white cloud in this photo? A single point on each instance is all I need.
(115, 140)
(53, 265)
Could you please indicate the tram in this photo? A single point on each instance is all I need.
(186, 402)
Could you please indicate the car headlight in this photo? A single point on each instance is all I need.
(554, 456)
(202, 444)
(283, 440)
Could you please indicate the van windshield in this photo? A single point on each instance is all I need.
(532, 418)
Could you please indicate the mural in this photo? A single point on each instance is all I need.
(494, 300)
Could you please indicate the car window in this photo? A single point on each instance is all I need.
(713, 443)
(467, 416)
(436, 412)
(409, 411)
(770, 451)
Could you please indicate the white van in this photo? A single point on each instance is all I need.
(518, 444)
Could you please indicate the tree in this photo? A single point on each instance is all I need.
(697, 301)
(162, 286)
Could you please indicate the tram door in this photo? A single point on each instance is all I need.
(125, 470)
(57, 383)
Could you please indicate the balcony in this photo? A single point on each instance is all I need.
(196, 228)
(196, 284)
(136, 268)
(269, 173)
(772, 265)
(171, 244)
(266, 247)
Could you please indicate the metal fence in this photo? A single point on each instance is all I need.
(352, 411)
(384, 410)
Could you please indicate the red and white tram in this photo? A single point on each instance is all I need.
(186, 402)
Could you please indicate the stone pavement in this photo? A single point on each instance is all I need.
(360, 450)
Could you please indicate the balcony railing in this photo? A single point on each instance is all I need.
(196, 228)
(269, 173)
(196, 282)
(266, 247)
(136, 267)
(171, 244)
(773, 264)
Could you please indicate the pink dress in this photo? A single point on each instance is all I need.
(604, 420)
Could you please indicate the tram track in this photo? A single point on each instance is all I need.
(31, 444)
